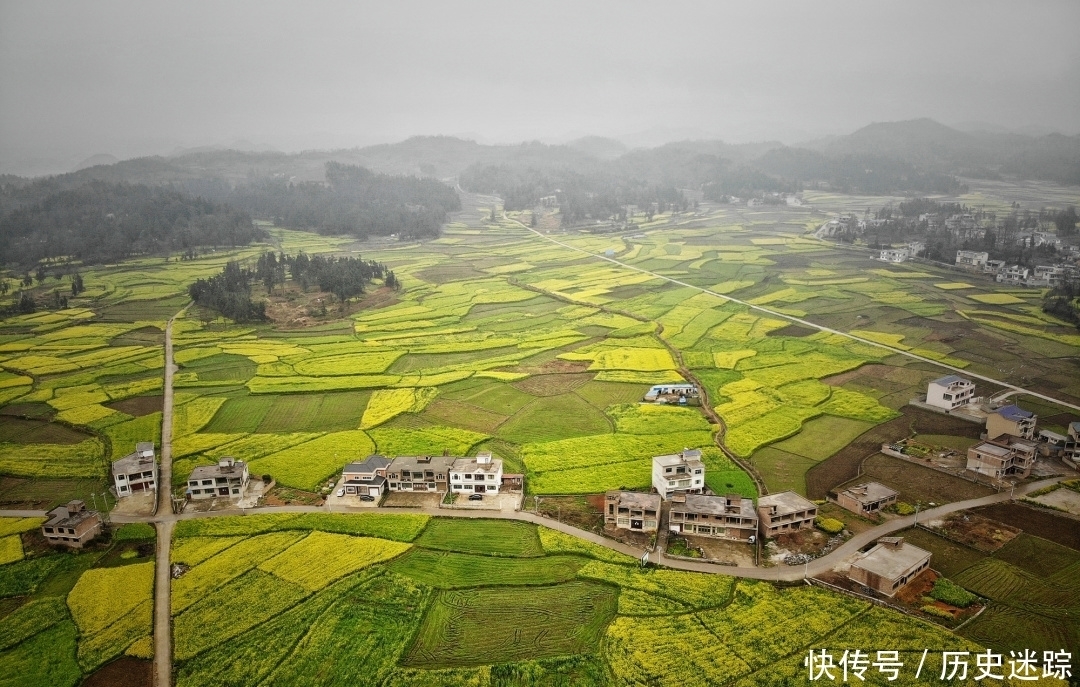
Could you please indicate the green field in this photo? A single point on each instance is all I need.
(471, 610)
(1032, 585)
(61, 617)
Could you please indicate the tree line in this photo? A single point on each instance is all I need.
(103, 222)
(354, 200)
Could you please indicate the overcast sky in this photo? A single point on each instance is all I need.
(134, 78)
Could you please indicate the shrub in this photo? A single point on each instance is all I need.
(829, 525)
(930, 609)
(952, 593)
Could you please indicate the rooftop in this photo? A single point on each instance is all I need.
(1014, 413)
(713, 505)
(950, 379)
(144, 446)
(232, 468)
(688, 455)
(370, 464)
(869, 492)
(474, 465)
(132, 462)
(635, 499)
(377, 480)
(62, 516)
(785, 502)
(891, 562)
(1051, 436)
(992, 449)
(442, 463)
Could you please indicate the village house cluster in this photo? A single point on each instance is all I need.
(1016, 275)
(1012, 441)
(377, 475)
(679, 480)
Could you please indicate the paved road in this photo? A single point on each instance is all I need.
(162, 573)
(799, 320)
(779, 573)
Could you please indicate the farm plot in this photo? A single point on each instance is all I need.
(489, 537)
(448, 570)
(472, 627)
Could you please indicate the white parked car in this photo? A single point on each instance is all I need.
(341, 491)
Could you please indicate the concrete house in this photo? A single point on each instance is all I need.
(136, 472)
(482, 474)
(679, 472)
(1072, 445)
(971, 259)
(1051, 443)
(420, 473)
(889, 566)
(950, 392)
(227, 479)
(723, 517)
(672, 393)
(784, 513)
(895, 255)
(866, 499)
(999, 460)
(367, 478)
(632, 510)
(72, 525)
(1010, 420)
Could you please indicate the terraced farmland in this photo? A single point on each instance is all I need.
(497, 604)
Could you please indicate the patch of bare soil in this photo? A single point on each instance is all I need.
(1037, 521)
(844, 464)
(283, 496)
(294, 308)
(138, 406)
(583, 512)
(123, 672)
(793, 330)
(978, 532)
(641, 540)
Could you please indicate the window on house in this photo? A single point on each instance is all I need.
(120, 477)
(491, 476)
(123, 488)
(468, 476)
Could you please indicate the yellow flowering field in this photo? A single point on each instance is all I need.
(321, 557)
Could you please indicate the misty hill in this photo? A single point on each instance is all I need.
(95, 160)
(107, 222)
(599, 147)
(934, 147)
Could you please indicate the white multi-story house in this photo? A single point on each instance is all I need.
(136, 472)
(950, 392)
(971, 258)
(482, 474)
(1013, 274)
(227, 479)
(895, 255)
(680, 472)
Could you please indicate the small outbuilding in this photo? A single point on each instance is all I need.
(889, 566)
(866, 499)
